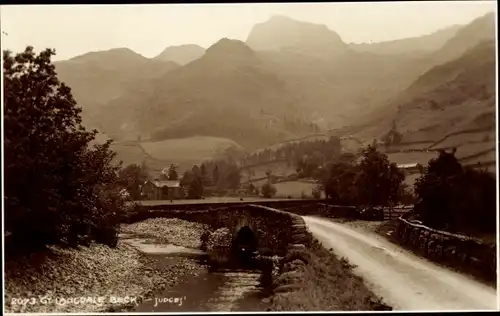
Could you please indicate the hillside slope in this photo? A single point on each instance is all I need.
(479, 30)
(336, 82)
(96, 78)
(229, 92)
(414, 45)
(368, 122)
(457, 95)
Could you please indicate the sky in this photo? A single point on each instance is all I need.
(148, 29)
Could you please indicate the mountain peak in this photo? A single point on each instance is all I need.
(282, 32)
(111, 56)
(230, 46)
(182, 54)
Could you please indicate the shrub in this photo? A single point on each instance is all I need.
(316, 192)
(268, 190)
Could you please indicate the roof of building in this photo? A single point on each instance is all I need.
(166, 183)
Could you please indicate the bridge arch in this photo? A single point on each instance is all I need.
(245, 240)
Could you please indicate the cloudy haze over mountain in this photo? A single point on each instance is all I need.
(149, 29)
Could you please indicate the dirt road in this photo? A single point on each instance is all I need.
(404, 280)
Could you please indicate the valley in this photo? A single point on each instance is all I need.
(250, 157)
(190, 104)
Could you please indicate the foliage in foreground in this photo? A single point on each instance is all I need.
(456, 198)
(58, 189)
(315, 279)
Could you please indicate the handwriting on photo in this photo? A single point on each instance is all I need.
(169, 300)
(96, 300)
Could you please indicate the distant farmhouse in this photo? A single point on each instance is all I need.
(162, 190)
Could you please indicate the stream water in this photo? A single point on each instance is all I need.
(227, 284)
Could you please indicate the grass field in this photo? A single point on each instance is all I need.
(462, 151)
(314, 137)
(129, 152)
(474, 148)
(197, 147)
(183, 152)
(410, 180)
(457, 140)
(487, 157)
(411, 146)
(294, 189)
(277, 169)
(412, 157)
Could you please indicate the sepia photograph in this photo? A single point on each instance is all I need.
(249, 157)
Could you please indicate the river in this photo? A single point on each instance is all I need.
(223, 284)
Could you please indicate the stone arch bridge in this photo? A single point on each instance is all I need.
(274, 230)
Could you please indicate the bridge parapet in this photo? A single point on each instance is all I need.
(274, 230)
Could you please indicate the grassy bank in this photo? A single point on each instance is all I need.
(314, 279)
(50, 281)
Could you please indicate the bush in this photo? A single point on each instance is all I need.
(58, 189)
(316, 192)
(268, 190)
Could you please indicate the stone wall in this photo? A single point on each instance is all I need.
(292, 265)
(457, 250)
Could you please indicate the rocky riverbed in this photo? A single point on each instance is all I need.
(98, 278)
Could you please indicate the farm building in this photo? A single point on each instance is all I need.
(162, 190)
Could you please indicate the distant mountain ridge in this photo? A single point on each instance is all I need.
(267, 89)
(96, 78)
(421, 44)
(454, 96)
(182, 55)
(225, 93)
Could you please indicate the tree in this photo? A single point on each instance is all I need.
(196, 170)
(251, 188)
(195, 189)
(378, 181)
(268, 190)
(172, 172)
(340, 183)
(456, 198)
(187, 178)
(234, 178)
(163, 175)
(316, 192)
(269, 174)
(131, 178)
(204, 175)
(58, 189)
(393, 137)
(215, 176)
